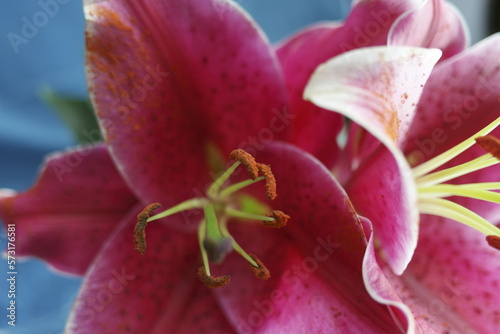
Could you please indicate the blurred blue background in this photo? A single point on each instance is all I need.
(54, 56)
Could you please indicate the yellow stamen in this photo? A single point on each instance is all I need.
(454, 211)
(214, 239)
(443, 158)
(457, 171)
(432, 190)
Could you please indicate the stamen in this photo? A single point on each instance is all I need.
(431, 189)
(201, 237)
(456, 171)
(493, 241)
(245, 215)
(447, 209)
(211, 281)
(482, 185)
(265, 171)
(446, 190)
(490, 144)
(446, 156)
(193, 203)
(238, 186)
(280, 220)
(214, 239)
(247, 160)
(140, 227)
(260, 271)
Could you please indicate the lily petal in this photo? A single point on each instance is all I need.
(435, 24)
(368, 24)
(76, 203)
(378, 89)
(300, 296)
(456, 274)
(325, 266)
(165, 89)
(151, 293)
(314, 130)
(370, 21)
(459, 99)
(380, 191)
(381, 289)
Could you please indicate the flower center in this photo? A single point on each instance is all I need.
(215, 241)
(432, 188)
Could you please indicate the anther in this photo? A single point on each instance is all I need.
(247, 160)
(261, 272)
(493, 241)
(211, 281)
(280, 219)
(140, 227)
(266, 172)
(490, 144)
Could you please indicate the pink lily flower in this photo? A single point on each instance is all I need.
(177, 86)
(423, 165)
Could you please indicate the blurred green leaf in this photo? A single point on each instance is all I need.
(78, 114)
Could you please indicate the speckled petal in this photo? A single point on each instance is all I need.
(381, 192)
(126, 292)
(368, 24)
(459, 99)
(455, 273)
(378, 89)
(310, 290)
(169, 78)
(315, 261)
(434, 24)
(65, 218)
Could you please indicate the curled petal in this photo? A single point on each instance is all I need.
(434, 24)
(378, 88)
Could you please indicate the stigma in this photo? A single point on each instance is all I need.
(433, 188)
(220, 205)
